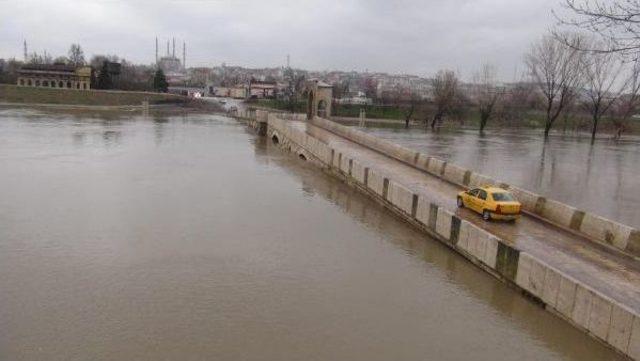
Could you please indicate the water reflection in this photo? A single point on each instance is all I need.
(591, 176)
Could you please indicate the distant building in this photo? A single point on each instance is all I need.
(259, 89)
(358, 98)
(55, 76)
(173, 69)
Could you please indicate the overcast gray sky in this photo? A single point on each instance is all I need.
(412, 36)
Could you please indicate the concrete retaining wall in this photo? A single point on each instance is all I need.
(594, 227)
(592, 312)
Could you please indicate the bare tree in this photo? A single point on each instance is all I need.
(485, 93)
(446, 95)
(76, 55)
(617, 22)
(518, 100)
(601, 86)
(628, 103)
(295, 81)
(555, 69)
(410, 110)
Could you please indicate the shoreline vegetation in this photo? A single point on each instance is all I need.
(390, 115)
(13, 95)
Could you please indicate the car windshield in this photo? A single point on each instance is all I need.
(503, 197)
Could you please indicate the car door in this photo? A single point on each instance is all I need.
(481, 200)
(472, 199)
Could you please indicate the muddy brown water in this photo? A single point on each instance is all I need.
(603, 177)
(186, 237)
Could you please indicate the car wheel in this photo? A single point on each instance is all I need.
(486, 215)
(460, 203)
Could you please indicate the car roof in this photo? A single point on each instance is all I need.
(492, 189)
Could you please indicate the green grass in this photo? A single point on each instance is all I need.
(298, 107)
(16, 94)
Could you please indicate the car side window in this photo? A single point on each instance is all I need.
(474, 192)
(482, 195)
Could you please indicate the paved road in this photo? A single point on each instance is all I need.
(607, 271)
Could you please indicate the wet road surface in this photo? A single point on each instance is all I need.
(176, 237)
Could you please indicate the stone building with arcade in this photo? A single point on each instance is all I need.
(55, 76)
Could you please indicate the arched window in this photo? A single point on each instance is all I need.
(77, 85)
(69, 84)
(37, 82)
(29, 83)
(53, 83)
(21, 81)
(84, 85)
(45, 83)
(60, 84)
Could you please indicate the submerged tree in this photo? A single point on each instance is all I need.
(629, 103)
(555, 69)
(446, 95)
(160, 83)
(601, 84)
(486, 93)
(414, 102)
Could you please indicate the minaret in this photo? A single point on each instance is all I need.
(156, 51)
(26, 54)
(167, 47)
(184, 55)
(174, 48)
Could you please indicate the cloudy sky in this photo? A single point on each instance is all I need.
(412, 36)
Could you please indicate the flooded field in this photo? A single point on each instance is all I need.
(602, 177)
(186, 237)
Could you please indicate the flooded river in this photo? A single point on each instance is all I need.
(185, 237)
(603, 177)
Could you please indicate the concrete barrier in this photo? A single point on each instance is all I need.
(401, 197)
(595, 313)
(624, 238)
(375, 182)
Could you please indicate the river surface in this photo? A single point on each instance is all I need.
(186, 237)
(603, 177)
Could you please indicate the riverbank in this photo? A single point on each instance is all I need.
(15, 96)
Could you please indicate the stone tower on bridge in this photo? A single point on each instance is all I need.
(319, 99)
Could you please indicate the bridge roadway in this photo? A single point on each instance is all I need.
(607, 271)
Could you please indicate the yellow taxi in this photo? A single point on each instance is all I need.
(491, 202)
